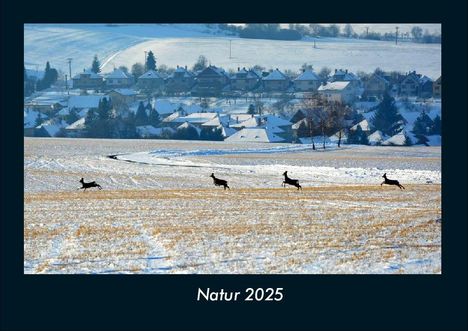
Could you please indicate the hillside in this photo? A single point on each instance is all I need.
(181, 44)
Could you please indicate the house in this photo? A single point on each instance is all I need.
(119, 79)
(77, 128)
(88, 79)
(121, 96)
(181, 80)
(437, 88)
(50, 128)
(196, 119)
(338, 91)
(31, 119)
(150, 80)
(425, 87)
(341, 75)
(210, 82)
(308, 81)
(259, 135)
(364, 124)
(409, 86)
(80, 102)
(376, 85)
(376, 138)
(244, 80)
(276, 81)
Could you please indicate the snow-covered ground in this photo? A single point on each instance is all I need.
(159, 211)
(182, 44)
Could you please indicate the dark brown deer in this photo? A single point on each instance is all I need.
(88, 185)
(391, 182)
(290, 181)
(219, 182)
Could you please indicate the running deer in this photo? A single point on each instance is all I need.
(391, 182)
(289, 181)
(219, 182)
(88, 185)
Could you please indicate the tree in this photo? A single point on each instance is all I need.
(124, 69)
(436, 125)
(96, 65)
(137, 70)
(348, 31)
(141, 117)
(50, 77)
(72, 116)
(202, 63)
(39, 119)
(324, 73)
(307, 66)
(417, 33)
(422, 140)
(251, 110)
(189, 133)
(387, 118)
(154, 118)
(150, 61)
(358, 137)
(334, 30)
(423, 124)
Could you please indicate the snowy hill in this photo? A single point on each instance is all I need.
(181, 44)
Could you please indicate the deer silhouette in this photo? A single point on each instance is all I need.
(219, 182)
(391, 182)
(290, 181)
(88, 185)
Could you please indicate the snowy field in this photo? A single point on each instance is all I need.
(160, 213)
(182, 44)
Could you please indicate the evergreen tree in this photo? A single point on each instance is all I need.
(436, 125)
(154, 118)
(104, 109)
(251, 110)
(189, 133)
(96, 65)
(39, 119)
(423, 124)
(150, 61)
(408, 141)
(141, 117)
(72, 116)
(50, 77)
(422, 139)
(387, 118)
(358, 137)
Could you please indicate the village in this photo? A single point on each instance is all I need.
(244, 105)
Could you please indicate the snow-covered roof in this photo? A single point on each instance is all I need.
(397, 140)
(118, 74)
(198, 118)
(64, 111)
(84, 101)
(190, 109)
(364, 124)
(171, 117)
(92, 74)
(344, 75)
(254, 135)
(251, 122)
(296, 125)
(77, 125)
(125, 91)
(308, 75)
(336, 137)
(334, 86)
(276, 75)
(52, 126)
(424, 79)
(164, 107)
(30, 118)
(376, 137)
(226, 132)
(150, 74)
(272, 120)
(187, 125)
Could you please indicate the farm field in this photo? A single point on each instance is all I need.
(159, 212)
(182, 44)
